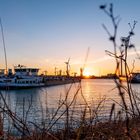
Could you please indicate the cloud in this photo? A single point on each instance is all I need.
(102, 59)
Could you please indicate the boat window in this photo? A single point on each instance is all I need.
(7, 80)
(34, 70)
(17, 70)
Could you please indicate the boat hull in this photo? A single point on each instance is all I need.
(135, 81)
(20, 86)
(135, 78)
(9, 86)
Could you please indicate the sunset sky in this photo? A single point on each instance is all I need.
(45, 33)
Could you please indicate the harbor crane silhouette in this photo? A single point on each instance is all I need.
(67, 67)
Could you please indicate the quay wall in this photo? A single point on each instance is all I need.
(55, 82)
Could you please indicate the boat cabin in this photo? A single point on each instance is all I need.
(23, 71)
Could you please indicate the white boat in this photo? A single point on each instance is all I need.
(135, 77)
(22, 78)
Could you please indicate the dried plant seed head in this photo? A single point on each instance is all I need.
(131, 46)
(131, 33)
(135, 22)
(111, 8)
(102, 6)
(130, 26)
(112, 38)
(123, 39)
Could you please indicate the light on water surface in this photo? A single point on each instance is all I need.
(44, 101)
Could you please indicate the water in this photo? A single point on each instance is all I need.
(40, 104)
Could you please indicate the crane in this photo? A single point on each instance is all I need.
(67, 67)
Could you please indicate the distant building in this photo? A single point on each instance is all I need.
(111, 75)
(2, 71)
(81, 72)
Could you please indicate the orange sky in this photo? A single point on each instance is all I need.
(45, 34)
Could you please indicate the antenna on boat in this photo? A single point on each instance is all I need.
(3, 41)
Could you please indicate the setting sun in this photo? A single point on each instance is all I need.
(86, 72)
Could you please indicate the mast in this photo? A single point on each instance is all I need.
(3, 41)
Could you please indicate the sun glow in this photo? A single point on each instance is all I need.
(86, 72)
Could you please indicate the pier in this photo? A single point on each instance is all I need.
(60, 80)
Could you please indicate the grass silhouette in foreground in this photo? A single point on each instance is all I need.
(121, 124)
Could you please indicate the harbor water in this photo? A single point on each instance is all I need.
(40, 104)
